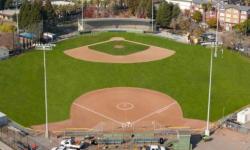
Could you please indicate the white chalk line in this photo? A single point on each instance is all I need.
(99, 114)
(155, 112)
(134, 122)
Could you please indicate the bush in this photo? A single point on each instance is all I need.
(7, 27)
(197, 16)
(212, 23)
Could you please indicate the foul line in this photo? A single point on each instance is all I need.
(155, 112)
(97, 113)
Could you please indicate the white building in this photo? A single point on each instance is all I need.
(4, 53)
(62, 3)
(243, 116)
(183, 4)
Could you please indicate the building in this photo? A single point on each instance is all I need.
(8, 15)
(243, 116)
(183, 4)
(4, 53)
(230, 15)
(197, 6)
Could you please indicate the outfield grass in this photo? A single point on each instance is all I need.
(183, 76)
(119, 47)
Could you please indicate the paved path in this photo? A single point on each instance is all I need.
(4, 146)
(226, 140)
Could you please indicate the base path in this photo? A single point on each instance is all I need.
(153, 53)
(123, 109)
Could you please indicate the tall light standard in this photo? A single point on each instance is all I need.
(45, 94)
(207, 132)
(16, 11)
(152, 15)
(82, 13)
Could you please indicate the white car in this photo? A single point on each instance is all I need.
(156, 147)
(70, 144)
(59, 148)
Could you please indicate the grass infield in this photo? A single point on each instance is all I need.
(119, 47)
(183, 76)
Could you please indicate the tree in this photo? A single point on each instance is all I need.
(132, 5)
(206, 7)
(164, 14)
(243, 27)
(8, 4)
(142, 9)
(2, 4)
(212, 22)
(48, 11)
(176, 11)
(24, 15)
(197, 16)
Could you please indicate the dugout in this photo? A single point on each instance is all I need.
(115, 24)
(3, 119)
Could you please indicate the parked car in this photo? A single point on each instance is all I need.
(155, 147)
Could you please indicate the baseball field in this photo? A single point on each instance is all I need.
(182, 75)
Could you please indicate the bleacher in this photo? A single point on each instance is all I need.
(115, 24)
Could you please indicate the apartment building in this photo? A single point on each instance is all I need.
(230, 15)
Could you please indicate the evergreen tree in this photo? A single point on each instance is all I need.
(2, 4)
(176, 11)
(149, 9)
(164, 14)
(8, 4)
(48, 11)
(24, 15)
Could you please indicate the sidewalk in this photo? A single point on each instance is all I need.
(4, 146)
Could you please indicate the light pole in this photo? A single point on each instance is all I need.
(207, 132)
(152, 15)
(82, 13)
(217, 29)
(45, 94)
(17, 24)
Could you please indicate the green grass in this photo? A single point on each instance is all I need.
(183, 76)
(119, 47)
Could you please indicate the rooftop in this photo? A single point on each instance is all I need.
(9, 12)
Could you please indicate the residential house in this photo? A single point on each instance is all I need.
(8, 15)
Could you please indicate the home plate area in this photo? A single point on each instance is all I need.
(124, 109)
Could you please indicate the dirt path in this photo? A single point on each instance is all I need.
(153, 53)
